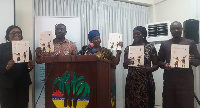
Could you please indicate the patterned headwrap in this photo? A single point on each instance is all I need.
(92, 34)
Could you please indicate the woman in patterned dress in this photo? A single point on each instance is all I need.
(102, 52)
(140, 86)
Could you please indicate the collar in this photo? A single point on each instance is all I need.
(55, 41)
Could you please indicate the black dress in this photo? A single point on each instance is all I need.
(14, 84)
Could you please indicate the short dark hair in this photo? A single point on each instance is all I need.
(61, 25)
(175, 22)
(9, 29)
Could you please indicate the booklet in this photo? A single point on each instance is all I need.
(113, 42)
(46, 41)
(179, 56)
(136, 54)
(20, 51)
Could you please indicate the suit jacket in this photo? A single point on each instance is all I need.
(18, 75)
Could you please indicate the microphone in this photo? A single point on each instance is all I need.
(93, 51)
(91, 44)
(86, 48)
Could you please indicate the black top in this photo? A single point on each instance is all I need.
(19, 74)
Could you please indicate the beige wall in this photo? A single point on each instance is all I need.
(24, 19)
(172, 10)
(168, 10)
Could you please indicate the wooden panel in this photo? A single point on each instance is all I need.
(95, 71)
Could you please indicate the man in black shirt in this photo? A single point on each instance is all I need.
(178, 91)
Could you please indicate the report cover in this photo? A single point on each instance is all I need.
(136, 55)
(114, 40)
(46, 41)
(179, 56)
(20, 51)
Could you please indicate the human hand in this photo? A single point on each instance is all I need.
(167, 66)
(120, 44)
(10, 64)
(126, 50)
(128, 61)
(30, 64)
(119, 51)
(191, 58)
(38, 52)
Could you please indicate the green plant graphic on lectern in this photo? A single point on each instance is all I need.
(72, 91)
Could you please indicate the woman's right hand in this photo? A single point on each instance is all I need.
(10, 64)
(120, 44)
(128, 61)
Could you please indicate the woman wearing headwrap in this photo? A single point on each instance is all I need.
(101, 52)
(140, 86)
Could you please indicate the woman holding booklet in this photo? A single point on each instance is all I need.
(101, 52)
(140, 86)
(14, 77)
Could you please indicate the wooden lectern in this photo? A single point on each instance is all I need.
(98, 73)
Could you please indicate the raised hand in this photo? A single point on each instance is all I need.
(38, 52)
(30, 64)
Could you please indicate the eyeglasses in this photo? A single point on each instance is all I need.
(16, 32)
